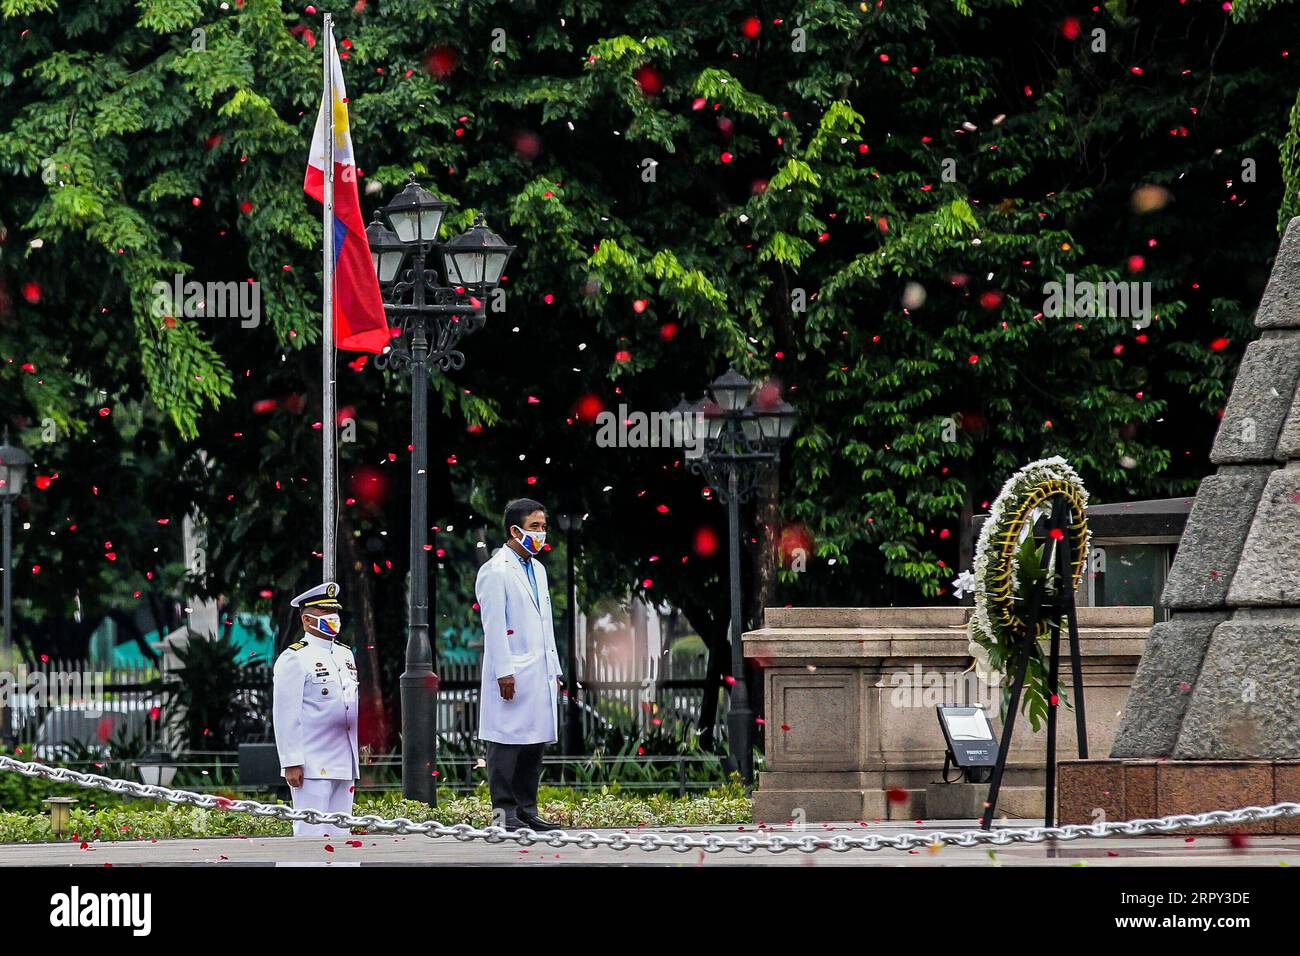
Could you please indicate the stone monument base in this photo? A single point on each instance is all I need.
(1113, 789)
(957, 801)
(857, 795)
(849, 702)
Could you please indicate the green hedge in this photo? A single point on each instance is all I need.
(24, 795)
(608, 808)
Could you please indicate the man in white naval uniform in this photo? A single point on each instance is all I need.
(315, 709)
(518, 707)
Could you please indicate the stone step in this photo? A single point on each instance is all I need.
(931, 617)
(1138, 615)
(776, 643)
(826, 617)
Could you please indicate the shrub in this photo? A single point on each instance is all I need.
(607, 809)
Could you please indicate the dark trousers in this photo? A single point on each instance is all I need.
(514, 771)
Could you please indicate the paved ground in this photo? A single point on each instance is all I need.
(1199, 851)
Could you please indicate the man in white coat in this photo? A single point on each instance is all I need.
(518, 699)
(316, 703)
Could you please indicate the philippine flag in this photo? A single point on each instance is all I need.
(359, 321)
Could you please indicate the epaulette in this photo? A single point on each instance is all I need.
(297, 645)
(343, 644)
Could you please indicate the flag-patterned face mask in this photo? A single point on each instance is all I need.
(329, 624)
(531, 540)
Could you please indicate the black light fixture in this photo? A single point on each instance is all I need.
(567, 521)
(415, 214)
(433, 316)
(476, 259)
(158, 767)
(682, 422)
(386, 251)
(13, 468)
(715, 417)
(776, 421)
(731, 390)
(972, 745)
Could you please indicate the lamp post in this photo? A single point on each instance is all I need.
(13, 471)
(571, 523)
(741, 440)
(432, 316)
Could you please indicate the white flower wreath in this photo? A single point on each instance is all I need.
(994, 626)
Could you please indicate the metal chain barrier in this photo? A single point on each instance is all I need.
(681, 842)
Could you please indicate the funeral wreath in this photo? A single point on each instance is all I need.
(1010, 562)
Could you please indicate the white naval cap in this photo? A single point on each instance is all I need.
(327, 593)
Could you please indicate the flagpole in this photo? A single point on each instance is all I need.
(329, 501)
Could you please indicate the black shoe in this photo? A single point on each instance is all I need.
(538, 825)
(510, 823)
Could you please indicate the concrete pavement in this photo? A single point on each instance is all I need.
(1188, 850)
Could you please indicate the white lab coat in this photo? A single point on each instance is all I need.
(518, 640)
(315, 708)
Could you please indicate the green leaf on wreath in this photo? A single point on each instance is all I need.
(1030, 562)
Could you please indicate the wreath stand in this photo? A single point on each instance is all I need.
(1055, 606)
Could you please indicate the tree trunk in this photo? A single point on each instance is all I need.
(714, 635)
(287, 630)
(764, 552)
(719, 660)
(226, 619)
(127, 622)
(156, 612)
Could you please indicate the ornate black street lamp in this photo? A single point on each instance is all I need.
(742, 439)
(432, 316)
(571, 523)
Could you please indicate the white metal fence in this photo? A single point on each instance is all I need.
(610, 695)
(66, 705)
(67, 708)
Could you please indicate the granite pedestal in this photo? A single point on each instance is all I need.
(849, 704)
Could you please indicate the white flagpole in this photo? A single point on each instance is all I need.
(329, 502)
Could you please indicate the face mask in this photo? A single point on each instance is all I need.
(531, 540)
(329, 624)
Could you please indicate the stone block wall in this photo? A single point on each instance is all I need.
(1221, 678)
